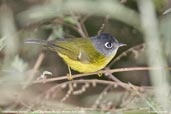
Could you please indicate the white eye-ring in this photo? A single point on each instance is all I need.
(108, 45)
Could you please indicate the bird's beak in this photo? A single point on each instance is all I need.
(121, 44)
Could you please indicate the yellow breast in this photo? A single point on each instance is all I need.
(86, 67)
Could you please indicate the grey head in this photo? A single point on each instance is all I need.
(106, 44)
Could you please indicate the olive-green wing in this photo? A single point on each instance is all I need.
(79, 49)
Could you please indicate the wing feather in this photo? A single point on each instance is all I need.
(79, 49)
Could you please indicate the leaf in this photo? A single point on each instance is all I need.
(71, 20)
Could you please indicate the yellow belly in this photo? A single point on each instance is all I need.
(86, 67)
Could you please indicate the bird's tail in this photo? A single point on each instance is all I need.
(36, 41)
(49, 44)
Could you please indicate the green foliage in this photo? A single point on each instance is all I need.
(70, 20)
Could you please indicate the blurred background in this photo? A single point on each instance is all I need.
(143, 25)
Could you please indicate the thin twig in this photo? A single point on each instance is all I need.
(89, 81)
(131, 87)
(105, 82)
(123, 1)
(60, 21)
(143, 97)
(69, 92)
(83, 25)
(124, 85)
(102, 71)
(103, 25)
(79, 26)
(125, 53)
(80, 30)
(81, 109)
(101, 96)
(36, 67)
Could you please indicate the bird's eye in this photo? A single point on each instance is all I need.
(108, 45)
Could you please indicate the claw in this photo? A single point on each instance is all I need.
(100, 74)
(70, 77)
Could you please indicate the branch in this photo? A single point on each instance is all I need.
(58, 78)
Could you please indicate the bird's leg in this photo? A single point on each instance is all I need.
(69, 75)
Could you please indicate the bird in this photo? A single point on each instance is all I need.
(84, 55)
